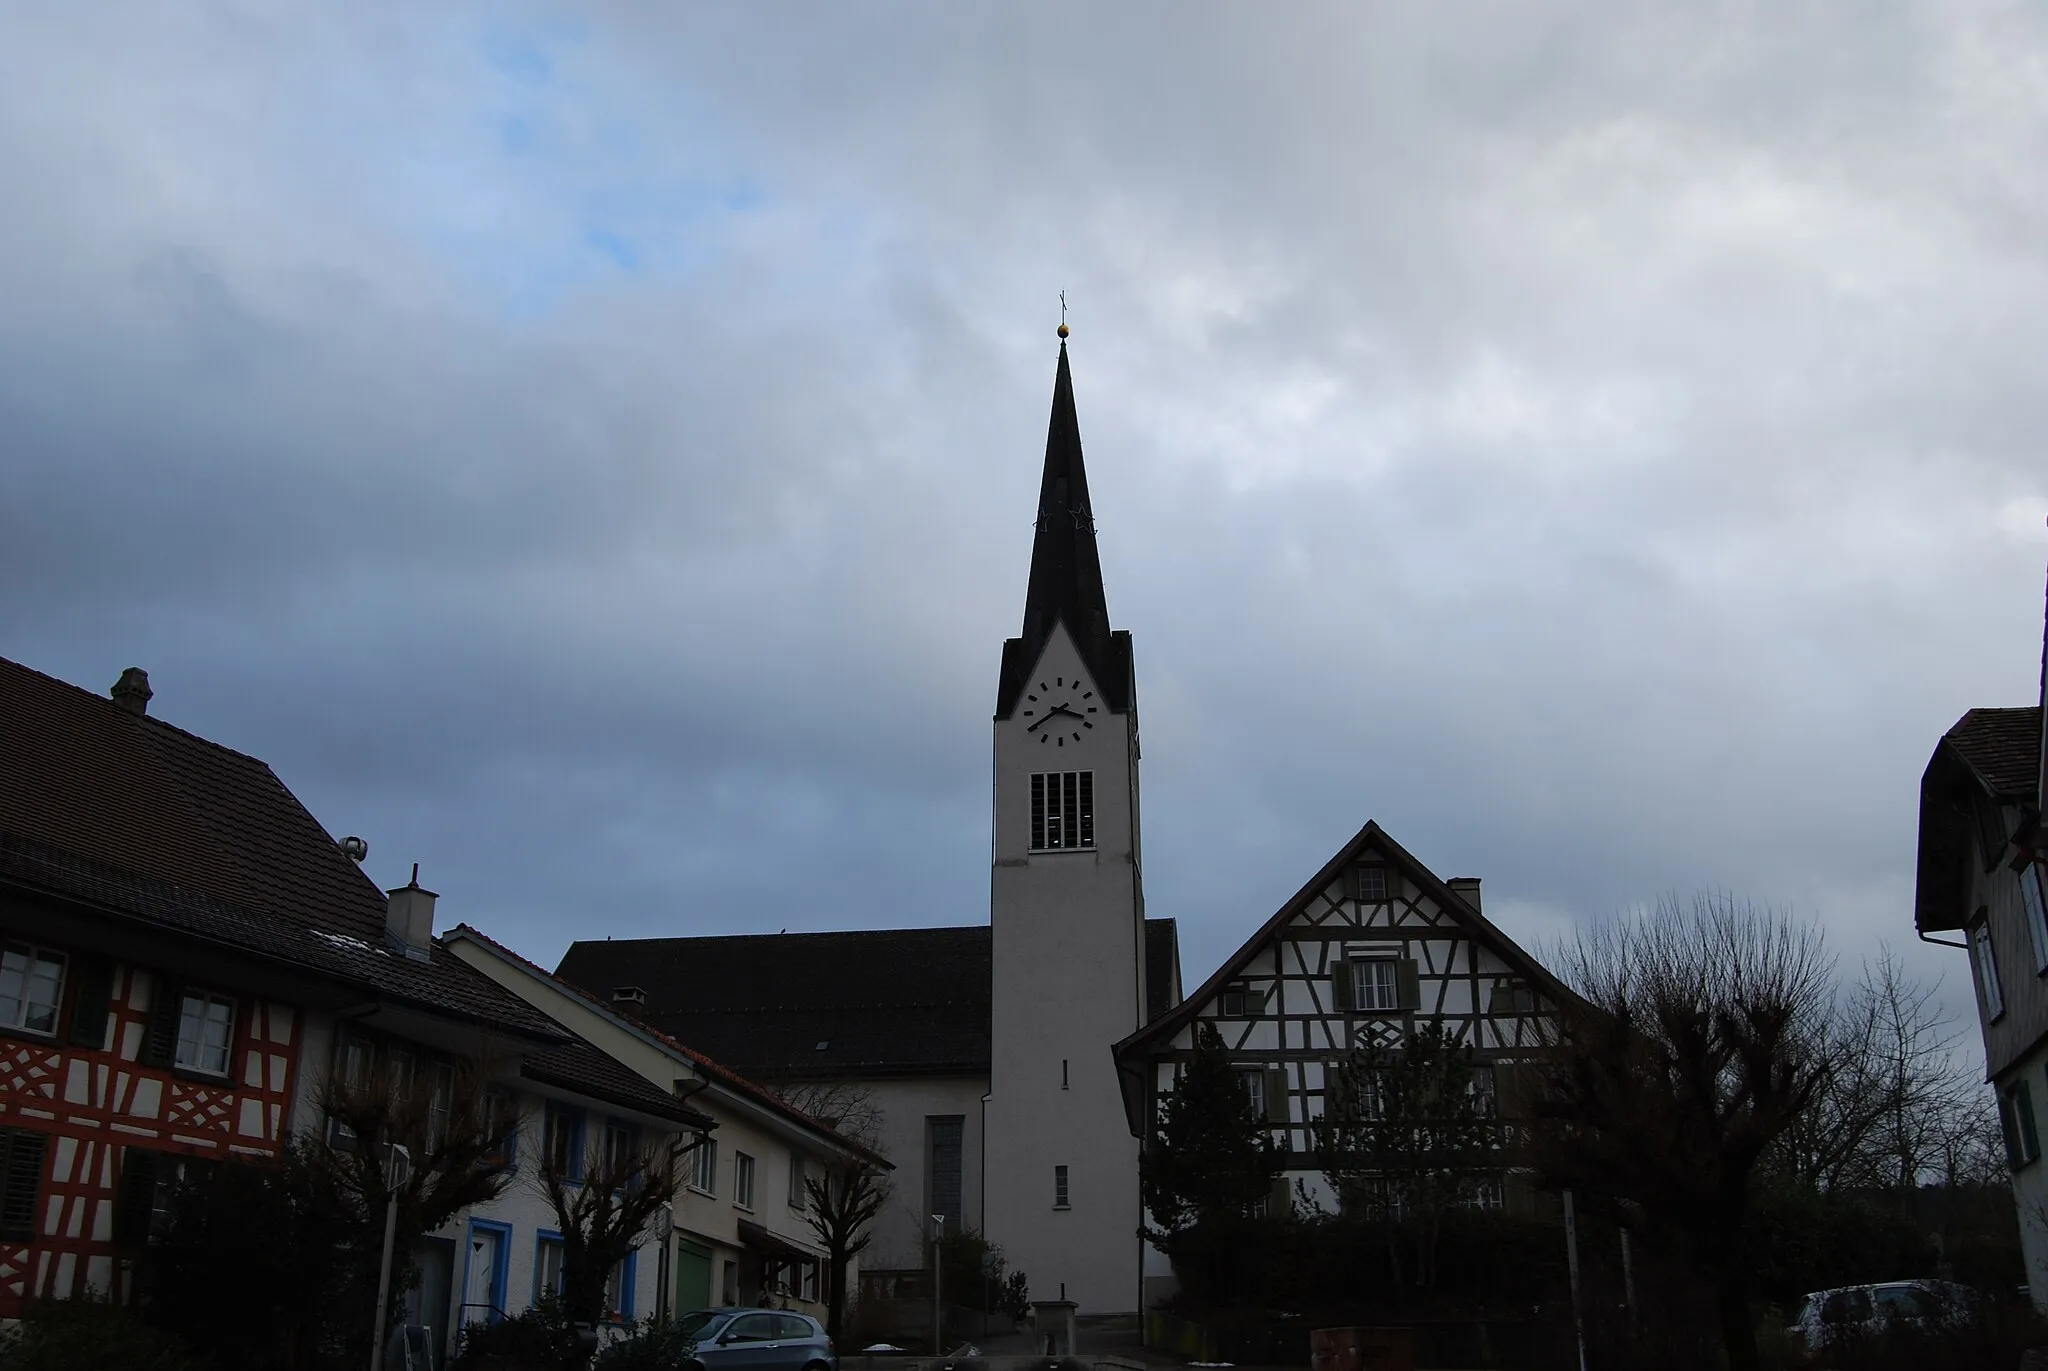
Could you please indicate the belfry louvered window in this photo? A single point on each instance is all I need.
(1062, 810)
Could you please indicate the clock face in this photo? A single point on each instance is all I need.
(1061, 711)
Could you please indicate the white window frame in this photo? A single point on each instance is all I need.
(1380, 896)
(742, 1180)
(1062, 1195)
(704, 1167)
(1254, 1078)
(1371, 991)
(186, 1055)
(2035, 900)
(798, 1200)
(550, 1253)
(33, 958)
(1984, 959)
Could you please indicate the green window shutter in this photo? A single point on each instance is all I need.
(1408, 980)
(1340, 985)
(21, 1178)
(2023, 1110)
(2011, 1132)
(1280, 1201)
(160, 1043)
(1276, 1094)
(138, 1193)
(92, 997)
(1350, 882)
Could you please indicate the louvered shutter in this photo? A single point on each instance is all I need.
(1350, 882)
(1280, 1199)
(1408, 983)
(1340, 985)
(138, 1194)
(1276, 1095)
(21, 1176)
(2023, 1111)
(92, 994)
(160, 1043)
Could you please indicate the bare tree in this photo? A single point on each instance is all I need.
(850, 1188)
(1703, 1037)
(450, 1122)
(604, 1208)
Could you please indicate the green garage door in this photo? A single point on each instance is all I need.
(693, 1276)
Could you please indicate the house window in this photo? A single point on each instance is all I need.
(1488, 1194)
(21, 1178)
(1254, 1079)
(547, 1266)
(1987, 969)
(618, 1292)
(1059, 1187)
(1483, 1088)
(1233, 1003)
(944, 1134)
(2031, 895)
(618, 1150)
(440, 1104)
(704, 1166)
(31, 986)
(206, 1025)
(1062, 810)
(2022, 1138)
(797, 1198)
(562, 1142)
(809, 1288)
(1375, 988)
(1372, 885)
(743, 1180)
(501, 1121)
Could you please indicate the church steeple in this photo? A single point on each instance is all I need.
(1066, 573)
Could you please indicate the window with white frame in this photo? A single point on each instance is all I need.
(2035, 901)
(1254, 1081)
(31, 987)
(1483, 1088)
(1059, 1187)
(440, 1104)
(562, 1141)
(206, 1027)
(743, 1180)
(618, 1148)
(704, 1166)
(1372, 884)
(547, 1267)
(1987, 969)
(798, 1199)
(1375, 985)
(1062, 810)
(617, 1295)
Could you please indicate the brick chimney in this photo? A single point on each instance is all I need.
(132, 691)
(409, 918)
(1465, 888)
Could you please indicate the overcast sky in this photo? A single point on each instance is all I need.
(592, 451)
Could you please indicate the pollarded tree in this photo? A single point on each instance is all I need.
(1212, 1158)
(1702, 1039)
(605, 1204)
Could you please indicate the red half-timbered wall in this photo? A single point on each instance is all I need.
(97, 1104)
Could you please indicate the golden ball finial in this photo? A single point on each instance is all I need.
(1063, 330)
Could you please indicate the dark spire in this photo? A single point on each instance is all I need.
(1066, 573)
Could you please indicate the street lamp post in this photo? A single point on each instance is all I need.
(396, 1162)
(938, 1284)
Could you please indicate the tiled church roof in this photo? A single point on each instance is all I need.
(886, 1002)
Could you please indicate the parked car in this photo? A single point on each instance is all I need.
(1859, 1311)
(757, 1340)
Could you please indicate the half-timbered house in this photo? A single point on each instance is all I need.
(1372, 945)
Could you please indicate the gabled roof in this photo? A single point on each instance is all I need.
(1374, 838)
(1990, 756)
(1066, 572)
(813, 1006)
(113, 811)
(707, 1066)
(581, 1067)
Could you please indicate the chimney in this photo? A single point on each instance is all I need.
(409, 918)
(1465, 888)
(132, 691)
(630, 1000)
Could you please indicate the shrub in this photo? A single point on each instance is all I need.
(540, 1339)
(86, 1335)
(653, 1345)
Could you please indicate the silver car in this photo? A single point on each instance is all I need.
(757, 1340)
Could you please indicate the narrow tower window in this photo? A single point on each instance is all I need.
(1062, 810)
(1059, 1187)
(1063, 1073)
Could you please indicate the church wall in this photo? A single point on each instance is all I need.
(906, 1105)
(1067, 963)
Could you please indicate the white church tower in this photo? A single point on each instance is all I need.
(1067, 910)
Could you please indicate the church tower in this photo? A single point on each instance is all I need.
(1067, 913)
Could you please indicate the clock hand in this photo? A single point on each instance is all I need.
(1056, 709)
